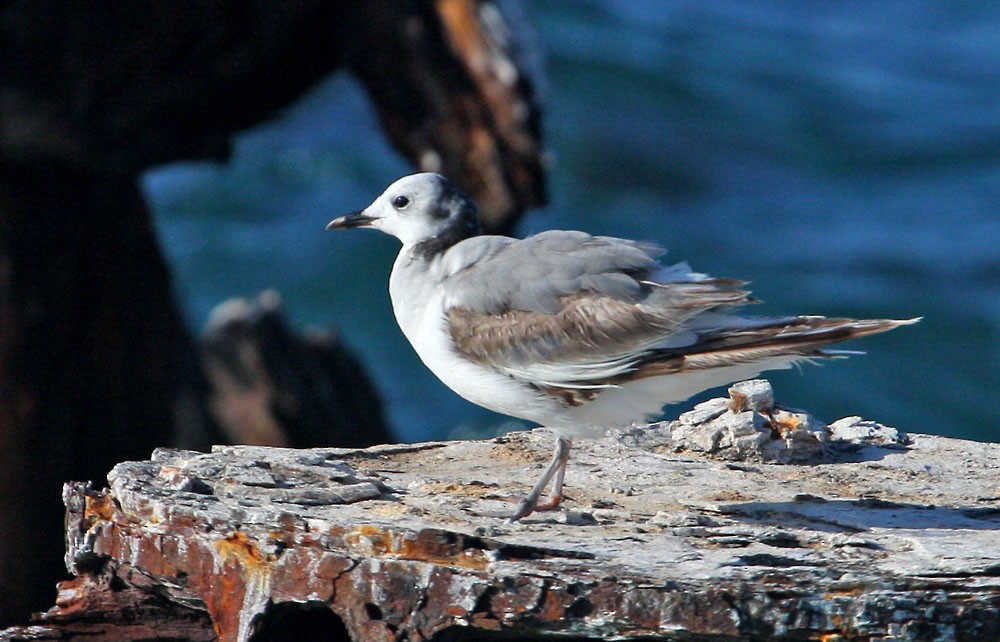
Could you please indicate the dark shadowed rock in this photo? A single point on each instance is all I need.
(270, 386)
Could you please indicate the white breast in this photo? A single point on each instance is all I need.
(418, 303)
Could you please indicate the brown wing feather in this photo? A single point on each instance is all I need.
(589, 327)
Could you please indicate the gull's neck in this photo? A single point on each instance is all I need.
(414, 288)
(462, 226)
(437, 245)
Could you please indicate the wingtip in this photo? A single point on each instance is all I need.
(891, 324)
(875, 326)
(888, 323)
(842, 354)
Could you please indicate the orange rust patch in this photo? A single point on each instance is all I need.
(737, 400)
(98, 507)
(432, 546)
(370, 539)
(785, 422)
(475, 489)
(224, 601)
(223, 587)
(854, 591)
(72, 596)
(239, 548)
(389, 509)
(728, 496)
(157, 554)
(516, 450)
(330, 566)
(440, 547)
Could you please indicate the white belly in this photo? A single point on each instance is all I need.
(419, 309)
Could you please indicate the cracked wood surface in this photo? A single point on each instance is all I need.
(409, 541)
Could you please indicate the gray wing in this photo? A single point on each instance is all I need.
(565, 308)
(569, 311)
(496, 274)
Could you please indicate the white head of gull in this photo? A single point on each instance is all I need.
(575, 332)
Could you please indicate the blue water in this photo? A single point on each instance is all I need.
(845, 157)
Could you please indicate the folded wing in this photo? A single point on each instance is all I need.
(572, 311)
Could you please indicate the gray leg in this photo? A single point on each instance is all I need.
(556, 496)
(557, 468)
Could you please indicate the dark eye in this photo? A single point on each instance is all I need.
(400, 202)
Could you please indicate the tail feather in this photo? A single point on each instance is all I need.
(802, 337)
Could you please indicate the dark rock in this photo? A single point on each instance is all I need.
(271, 386)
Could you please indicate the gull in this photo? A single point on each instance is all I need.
(574, 332)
